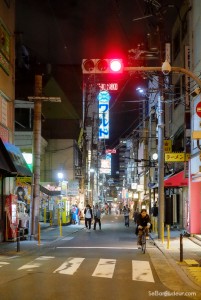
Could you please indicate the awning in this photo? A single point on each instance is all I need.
(12, 162)
(48, 192)
(7, 167)
(176, 180)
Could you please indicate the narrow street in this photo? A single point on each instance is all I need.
(87, 265)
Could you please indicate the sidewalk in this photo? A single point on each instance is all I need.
(49, 235)
(186, 263)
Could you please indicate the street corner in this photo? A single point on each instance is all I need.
(170, 274)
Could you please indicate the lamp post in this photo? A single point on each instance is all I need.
(166, 69)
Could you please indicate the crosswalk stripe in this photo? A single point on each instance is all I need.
(2, 263)
(35, 264)
(141, 271)
(70, 266)
(105, 268)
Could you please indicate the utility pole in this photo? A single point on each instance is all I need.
(35, 201)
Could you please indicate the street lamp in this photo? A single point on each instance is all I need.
(166, 69)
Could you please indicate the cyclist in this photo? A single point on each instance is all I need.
(143, 222)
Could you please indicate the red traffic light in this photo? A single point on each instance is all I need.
(116, 65)
(101, 66)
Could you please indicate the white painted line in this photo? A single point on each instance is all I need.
(105, 268)
(2, 263)
(113, 248)
(141, 271)
(44, 257)
(70, 266)
(30, 266)
(67, 238)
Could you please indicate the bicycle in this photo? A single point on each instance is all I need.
(144, 240)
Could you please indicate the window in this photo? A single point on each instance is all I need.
(176, 44)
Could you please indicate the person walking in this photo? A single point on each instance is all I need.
(88, 216)
(77, 214)
(97, 217)
(126, 212)
(135, 215)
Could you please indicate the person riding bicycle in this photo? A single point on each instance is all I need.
(143, 222)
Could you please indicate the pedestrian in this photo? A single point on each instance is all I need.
(154, 210)
(73, 215)
(126, 212)
(135, 215)
(77, 214)
(88, 216)
(97, 216)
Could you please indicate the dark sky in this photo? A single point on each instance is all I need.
(63, 32)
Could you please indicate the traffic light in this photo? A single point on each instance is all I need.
(101, 66)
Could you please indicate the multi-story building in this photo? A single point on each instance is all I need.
(7, 96)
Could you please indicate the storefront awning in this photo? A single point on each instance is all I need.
(12, 162)
(48, 192)
(7, 167)
(176, 180)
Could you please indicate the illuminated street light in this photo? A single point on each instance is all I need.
(60, 175)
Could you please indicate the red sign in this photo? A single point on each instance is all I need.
(113, 151)
(198, 109)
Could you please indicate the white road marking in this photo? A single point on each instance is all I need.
(45, 257)
(67, 238)
(105, 268)
(113, 248)
(34, 264)
(70, 266)
(141, 271)
(2, 263)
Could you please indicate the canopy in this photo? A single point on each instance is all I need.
(176, 180)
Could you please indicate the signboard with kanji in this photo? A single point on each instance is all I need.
(176, 157)
(167, 146)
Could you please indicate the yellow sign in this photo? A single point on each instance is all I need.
(177, 156)
(167, 146)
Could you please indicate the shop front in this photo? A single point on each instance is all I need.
(176, 200)
(12, 165)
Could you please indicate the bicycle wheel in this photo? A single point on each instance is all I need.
(144, 243)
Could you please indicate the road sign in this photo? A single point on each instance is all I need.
(198, 109)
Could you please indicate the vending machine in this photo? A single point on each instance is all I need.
(11, 217)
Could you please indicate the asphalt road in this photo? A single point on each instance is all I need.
(86, 265)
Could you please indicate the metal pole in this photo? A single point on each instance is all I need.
(181, 247)
(168, 236)
(18, 239)
(161, 166)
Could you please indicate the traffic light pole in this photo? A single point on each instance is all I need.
(161, 137)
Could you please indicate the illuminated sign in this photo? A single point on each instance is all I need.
(103, 107)
(177, 156)
(113, 151)
(106, 165)
(108, 86)
(167, 146)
